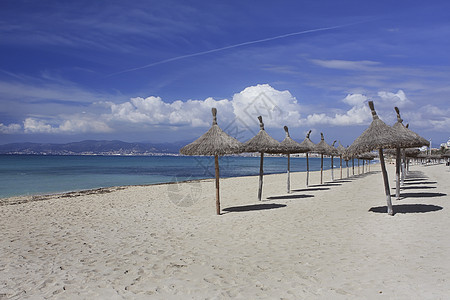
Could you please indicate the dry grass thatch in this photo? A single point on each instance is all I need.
(340, 149)
(323, 148)
(262, 142)
(378, 135)
(288, 145)
(415, 139)
(307, 143)
(367, 156)
(214, 142)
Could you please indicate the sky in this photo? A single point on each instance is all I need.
(150, 71)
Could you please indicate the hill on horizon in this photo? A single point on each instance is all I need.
(92, 147)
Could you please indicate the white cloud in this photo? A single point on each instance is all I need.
(75, 124)
(278, 108)
(428, 116)
(31, 125)
(358, 114)
(393, 99)
(154, 111)
(9, 129)
(355, 99)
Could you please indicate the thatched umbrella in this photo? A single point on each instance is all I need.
(288, 146)
(415, 141)
(379, 135)
(341, 151)
(262, 143)
(323, 149)
(214, 142)
(308, 144)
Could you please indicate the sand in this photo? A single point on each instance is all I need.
(165, 241)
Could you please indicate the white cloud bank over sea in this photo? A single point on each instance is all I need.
(278, 108)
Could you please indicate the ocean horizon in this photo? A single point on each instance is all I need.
(29, 175)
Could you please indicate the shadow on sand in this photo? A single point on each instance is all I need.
(253, 207)
(407, 208)
(364, 174)
(288, 197)
(415, 187)
(421, 195)
(311, 190)
(325, 184)
(415, 179)
(420, 182)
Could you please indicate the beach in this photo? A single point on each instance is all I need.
(330, 241)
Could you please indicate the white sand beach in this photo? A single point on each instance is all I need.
(165, 241)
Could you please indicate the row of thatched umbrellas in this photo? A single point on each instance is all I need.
(216, 142)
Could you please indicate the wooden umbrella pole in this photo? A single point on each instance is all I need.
(346, 163)
(332, 169)
(261, 176)
(359, 171)
(397, 173)
(216, 160)
(340, 164)
(289, 174)
(307, 170)
(321, 169)
(353, 166)
(390, 210)
(403, 154)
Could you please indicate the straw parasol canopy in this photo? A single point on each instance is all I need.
(414, 141)
(340, 149)
(323, 149)
(379, 135)
(214, 142)
(308, 144)
(288, 146)
(367, 156)
(262, 142)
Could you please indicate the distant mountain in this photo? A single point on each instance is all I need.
(91, 147)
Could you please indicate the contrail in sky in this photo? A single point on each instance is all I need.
(231, 47)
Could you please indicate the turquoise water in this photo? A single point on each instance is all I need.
(36, 175)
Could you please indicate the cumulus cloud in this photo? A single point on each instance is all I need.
(9, 129)
(358, 114)
(278, 108)
(398, 99)
(355, 99)
(428, 116)
(75, 124)
(154, 111)
(31, 125)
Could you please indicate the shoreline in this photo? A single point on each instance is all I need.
(72, 193)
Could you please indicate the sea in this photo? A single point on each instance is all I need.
(25, 175)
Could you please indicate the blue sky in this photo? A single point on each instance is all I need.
(152, 70)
